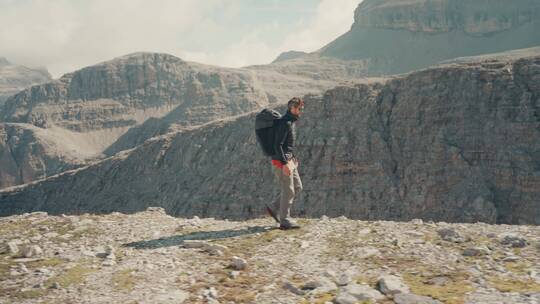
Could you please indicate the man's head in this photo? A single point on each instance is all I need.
(296, 106)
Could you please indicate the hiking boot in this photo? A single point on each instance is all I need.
(286, 224)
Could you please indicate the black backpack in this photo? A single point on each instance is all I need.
(264, 129)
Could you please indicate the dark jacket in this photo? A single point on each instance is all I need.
(284, 136)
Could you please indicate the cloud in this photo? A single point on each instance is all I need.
(65, 35)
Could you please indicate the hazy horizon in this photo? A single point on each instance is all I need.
(63, 36)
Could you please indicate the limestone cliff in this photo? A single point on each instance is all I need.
(397, 36)
(474, 17)
(457, 142)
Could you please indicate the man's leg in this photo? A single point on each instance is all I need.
(287, 193)
(297, 182)
(277, 180)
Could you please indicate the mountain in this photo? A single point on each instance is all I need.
(86, 114)
(395, 36)
(456, 142)
(14, 78)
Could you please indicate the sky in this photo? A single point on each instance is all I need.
(66, 35)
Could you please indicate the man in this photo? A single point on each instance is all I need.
(284, 162)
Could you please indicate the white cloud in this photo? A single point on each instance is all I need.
(332, 19)
(65, 35)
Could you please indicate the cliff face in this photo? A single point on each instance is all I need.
(397, 36)
(437, 16)
(14, 78)
(457, 142)
(28, 153)
(88, 112)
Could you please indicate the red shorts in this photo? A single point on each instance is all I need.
(277, 163)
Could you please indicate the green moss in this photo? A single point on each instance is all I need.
(124, 280)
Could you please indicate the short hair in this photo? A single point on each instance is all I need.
(295, 102)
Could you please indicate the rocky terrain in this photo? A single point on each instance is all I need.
(457, 142)
(400, 36)
(86, 114)
(14, 78)
(150, 257)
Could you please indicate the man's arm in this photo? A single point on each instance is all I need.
(281, 132)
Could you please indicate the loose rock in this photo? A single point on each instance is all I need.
(238, 263)
(408, 298)
(390, 285)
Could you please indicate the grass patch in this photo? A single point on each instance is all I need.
(452, 292)
(74, 275)
(519, 268)
(16, 293)
(369, 280)
(19, 227)
(52, 262)
(320, 298)
(5, 266)
(514, 285)
(242, 289)
(123, 280)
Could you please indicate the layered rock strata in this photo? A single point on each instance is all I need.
(457, 142)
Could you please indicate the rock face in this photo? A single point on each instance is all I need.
(457, 142)
(14, 78)
(28, 153)
(87, 113)
(440, 16)
(399, 36)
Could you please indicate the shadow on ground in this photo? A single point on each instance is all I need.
(177, 240)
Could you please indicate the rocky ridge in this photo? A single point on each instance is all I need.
(457, 142)
(152, 257)
(86, 114)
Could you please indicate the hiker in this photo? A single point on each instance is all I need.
(284, 162)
